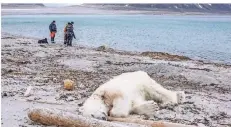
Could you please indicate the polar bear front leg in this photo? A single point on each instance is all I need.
(121, 108)
(147, 108)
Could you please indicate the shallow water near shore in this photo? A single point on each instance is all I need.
(199, 37)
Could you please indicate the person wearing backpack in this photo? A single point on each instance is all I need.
(69, 33)
(65, 33)
(53, 30)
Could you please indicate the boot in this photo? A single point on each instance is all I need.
(52, 40)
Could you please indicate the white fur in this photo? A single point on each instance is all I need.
(132, 92)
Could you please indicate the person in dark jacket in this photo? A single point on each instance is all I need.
(65, 32)
(53, 30)
(69, 34)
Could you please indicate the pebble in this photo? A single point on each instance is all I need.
(201, 125)
(5, 94)
(28, 91)
(70, 98)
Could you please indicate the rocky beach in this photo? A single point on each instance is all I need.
(44, 67)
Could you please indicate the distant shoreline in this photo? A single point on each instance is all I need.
(86, 10)
(152, 54)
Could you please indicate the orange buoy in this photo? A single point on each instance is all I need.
(68, 84)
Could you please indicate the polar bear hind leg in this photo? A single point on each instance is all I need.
(158, 93)
(147, 108)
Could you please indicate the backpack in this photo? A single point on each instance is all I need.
(69, 28)
(65, 28)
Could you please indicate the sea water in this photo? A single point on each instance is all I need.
(206, 37)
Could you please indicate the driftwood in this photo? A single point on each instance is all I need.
(67, 119)
(148, 123)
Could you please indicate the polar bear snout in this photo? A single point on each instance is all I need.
(94, 108)
(103, 116)
(94, 114)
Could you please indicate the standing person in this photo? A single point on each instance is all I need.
(72, 23)
(53, 30)
(69, 34)
(65, 33)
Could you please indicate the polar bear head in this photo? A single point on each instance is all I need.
(94, 107)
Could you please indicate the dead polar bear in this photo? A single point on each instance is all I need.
(132, 92)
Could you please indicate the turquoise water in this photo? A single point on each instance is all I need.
(200, 37)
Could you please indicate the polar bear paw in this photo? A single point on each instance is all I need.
(168, 105)
(180, 97)
(147, 108)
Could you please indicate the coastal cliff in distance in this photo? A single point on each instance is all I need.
(20, 5)
(119, 8)
(206, 8)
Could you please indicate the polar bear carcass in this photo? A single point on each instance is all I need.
(132, 92)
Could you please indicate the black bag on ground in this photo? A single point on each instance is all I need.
(43, 41)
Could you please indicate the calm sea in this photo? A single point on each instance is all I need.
(199, 37)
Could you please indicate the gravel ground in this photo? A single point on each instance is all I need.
(25, 63)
